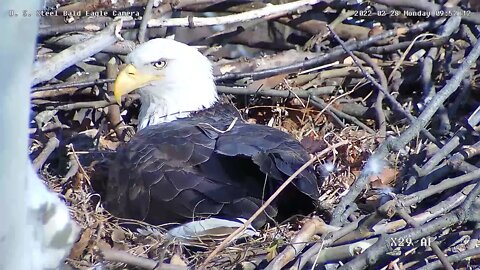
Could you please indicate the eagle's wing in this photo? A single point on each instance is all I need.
(275, 152)
(175, 171)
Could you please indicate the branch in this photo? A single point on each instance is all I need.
(115, 255)
(52, 144)
(461, 256)
(78, 52)
(268, 12)
(113, 111)
(146, 17)
(302, 238)
(327, 90)
(119, 47)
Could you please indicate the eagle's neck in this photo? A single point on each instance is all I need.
(169, 102)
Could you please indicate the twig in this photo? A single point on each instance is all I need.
(365, 225)
(52, 144)
(58, 92)
(98, 23)
(475, 237)
(74, 167)
(72, 55)
(426, 172)
(469, 200)
(442, 153)
(74, 155)
(456, 162)
(69, 88)
(79, 105)
(321, 104)
(381, 119)
(451, 25)
(424, 44)
(233, 235)
(338, 252)
(283, 58)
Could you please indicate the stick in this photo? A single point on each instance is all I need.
(78, 52)
(326, 90)
(115, 255)
(461, 256)
(52, 144)
(72, 84)
(146, 17)
(113, 113)
(302, 238)
(268, 12)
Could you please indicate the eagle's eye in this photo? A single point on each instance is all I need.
(160, 64)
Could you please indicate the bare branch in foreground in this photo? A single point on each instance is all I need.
(115, 255)
(268, 12)
(78, 52)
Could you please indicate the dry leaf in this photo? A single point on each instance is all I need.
(272, 253)
(312, 145)
(386, 177)
(118, 235)
(270, 82)
(107, 144)
(177, 260)
(78, 180)
(82, 243)
(103, 245)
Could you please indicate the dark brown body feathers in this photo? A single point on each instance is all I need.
(173, 172)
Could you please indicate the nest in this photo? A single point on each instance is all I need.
(400, 92)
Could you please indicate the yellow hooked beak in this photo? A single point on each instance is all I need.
(130, 79)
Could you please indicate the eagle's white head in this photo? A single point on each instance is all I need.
(172, 78)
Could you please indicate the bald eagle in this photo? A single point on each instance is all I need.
(193, 156)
